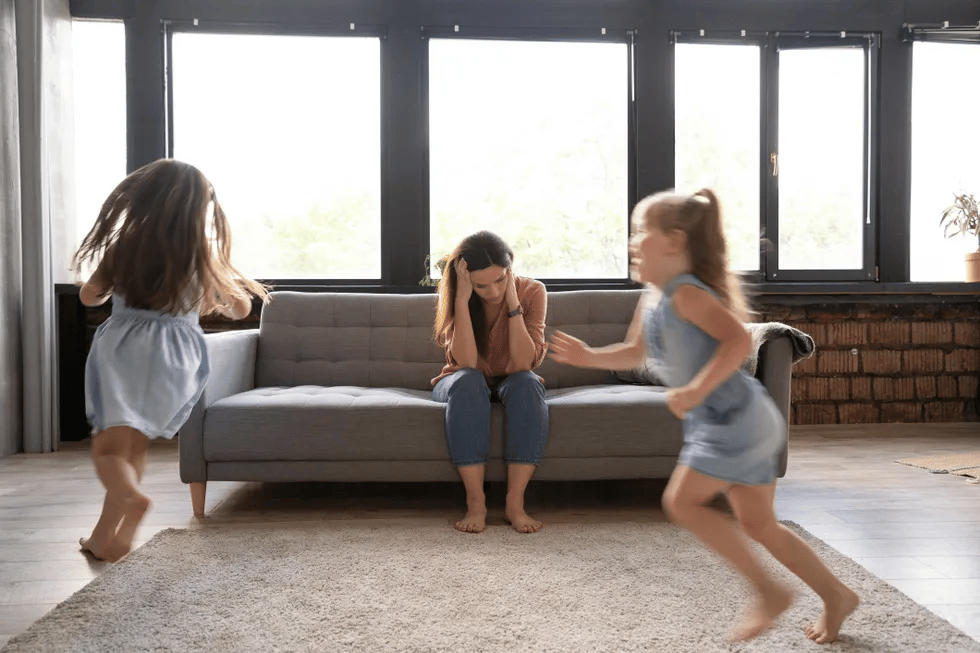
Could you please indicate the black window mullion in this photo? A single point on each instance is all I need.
(870, 159)
(631, 137)
(168, 87)
(770, 146)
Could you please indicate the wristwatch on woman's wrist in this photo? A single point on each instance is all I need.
(517, 311)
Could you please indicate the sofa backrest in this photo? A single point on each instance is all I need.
(359, 339)
(599, 317)
(385, 340)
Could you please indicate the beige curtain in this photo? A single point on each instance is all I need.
(38, 141)
(10, 238)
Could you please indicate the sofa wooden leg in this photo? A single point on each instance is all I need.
(198, 492)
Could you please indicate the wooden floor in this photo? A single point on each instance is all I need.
(919, 531)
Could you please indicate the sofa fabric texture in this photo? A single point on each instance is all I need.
(336, 387)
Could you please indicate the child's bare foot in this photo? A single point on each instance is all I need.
(834, 613)
(475, 520)
(98, 550)
(520, 520)
(769, 605)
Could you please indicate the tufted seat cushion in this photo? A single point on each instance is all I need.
(348, 423)
(309, 422)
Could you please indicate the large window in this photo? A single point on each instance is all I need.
(945, 158)
(716, 109)
(780, 127)
(288, 129)
(530, 140)
(99, 79)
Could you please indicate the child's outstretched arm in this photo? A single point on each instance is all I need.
(619, 356)
(700, 308)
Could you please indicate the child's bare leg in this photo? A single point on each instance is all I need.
(518, 476)
(111, 452)
(686, 501)
(100, 542)
(131, 521)
(753, 509)
(475, 520)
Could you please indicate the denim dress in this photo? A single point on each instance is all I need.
(737, 433)
(145, 370)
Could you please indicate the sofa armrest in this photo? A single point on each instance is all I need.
(775, 371)
(231, 355)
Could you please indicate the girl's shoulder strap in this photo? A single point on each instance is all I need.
(685, 278)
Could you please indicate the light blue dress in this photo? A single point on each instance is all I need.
(737, 433)
(145, 370)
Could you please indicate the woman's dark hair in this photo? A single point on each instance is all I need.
(480, 251)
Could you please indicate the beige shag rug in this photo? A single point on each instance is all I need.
(972, 474)
(354, 586)
(962, 464)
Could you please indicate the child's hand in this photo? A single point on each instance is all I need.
(569, 350)
(93, 294)
(681, 400)
(236, 307)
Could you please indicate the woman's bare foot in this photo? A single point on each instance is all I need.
(520, 520)
(769, 605)
(834, 613)
(475, 520)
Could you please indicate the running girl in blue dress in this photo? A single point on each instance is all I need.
(732, 429)
(161, 246)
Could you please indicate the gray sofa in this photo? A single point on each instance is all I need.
(335, 387)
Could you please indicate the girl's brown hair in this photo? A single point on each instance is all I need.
(154, 246)
(699, 217)
(480, 251)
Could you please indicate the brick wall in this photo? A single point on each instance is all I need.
(909, 362)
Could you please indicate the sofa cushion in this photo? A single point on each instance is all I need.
(612, 420)
(325, 423)
(377, 340)
(346, 423)
(599, 317)
(350, 339)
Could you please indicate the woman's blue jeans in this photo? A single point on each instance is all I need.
(467, 397)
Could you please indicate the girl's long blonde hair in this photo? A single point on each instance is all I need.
(699, 217)
(153, 244)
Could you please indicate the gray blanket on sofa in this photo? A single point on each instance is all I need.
(762, 332)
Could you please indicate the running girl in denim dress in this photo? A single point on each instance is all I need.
(161, 247)
(732, 428)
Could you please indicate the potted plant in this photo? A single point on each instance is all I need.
(962, 217)
(427, 280)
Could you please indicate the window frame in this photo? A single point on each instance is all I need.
(770, 44)
(555, 35)
(171, 27)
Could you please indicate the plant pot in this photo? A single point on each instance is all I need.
(973, 267)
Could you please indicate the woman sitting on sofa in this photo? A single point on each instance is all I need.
(491, 324)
